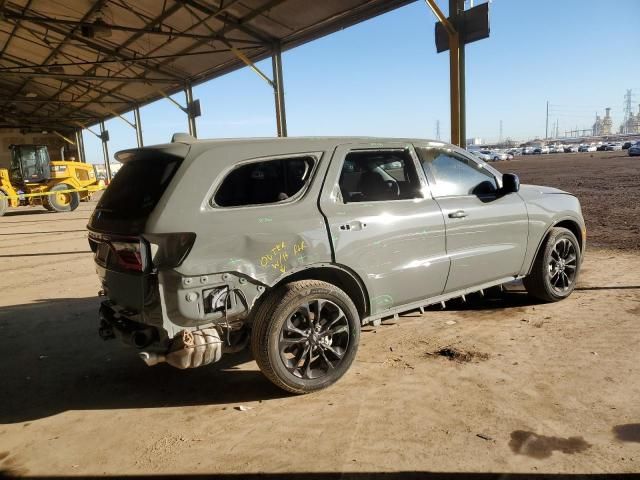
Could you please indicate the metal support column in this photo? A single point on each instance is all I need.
(81, 146)
(459, 8)
(136, 116)
(105, 150)
(79, 152)
(278, 90)
(188, 92)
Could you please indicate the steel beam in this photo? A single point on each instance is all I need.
(188, 92)
(278, 90)
(101, 78)
(136, 116)
(79, 150)
(105, 151)
(456, 68)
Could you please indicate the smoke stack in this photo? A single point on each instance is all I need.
(607, 110)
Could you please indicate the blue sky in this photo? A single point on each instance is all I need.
(383, 77)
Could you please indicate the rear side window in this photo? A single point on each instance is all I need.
(260, 183)
(372, 176)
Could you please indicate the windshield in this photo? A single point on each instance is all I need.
(30, 163)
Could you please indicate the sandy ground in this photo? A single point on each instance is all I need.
(544, 388)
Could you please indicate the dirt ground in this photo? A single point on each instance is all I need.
(516, 387)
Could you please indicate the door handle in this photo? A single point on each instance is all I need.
(458, 214)
(355, 225)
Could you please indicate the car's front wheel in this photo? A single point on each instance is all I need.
(305, 335)
(555, 270)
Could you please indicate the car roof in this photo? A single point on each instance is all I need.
(270, 145)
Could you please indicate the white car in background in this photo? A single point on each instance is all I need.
(481, 155)
(498, 155)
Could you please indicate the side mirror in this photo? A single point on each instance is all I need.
(510, 183)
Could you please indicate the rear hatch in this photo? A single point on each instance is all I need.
(116, 227)
(136, 189)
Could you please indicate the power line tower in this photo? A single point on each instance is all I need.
(437, 129)
(628, 110)
(500, 138)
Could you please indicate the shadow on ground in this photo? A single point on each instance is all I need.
(356, 476)
(53, 361)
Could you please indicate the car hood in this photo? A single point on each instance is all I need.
(541, 190)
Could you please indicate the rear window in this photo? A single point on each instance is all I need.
(133, 194)
(267, 182)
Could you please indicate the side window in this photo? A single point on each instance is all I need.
(259, 183)
(371, 176)
(454, 174)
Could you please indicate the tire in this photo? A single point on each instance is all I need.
(556, 268)
(4, 203)
(62, 202)
(292, 353)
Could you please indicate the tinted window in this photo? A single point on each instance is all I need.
(259, 183)
(133, 194)
(378, 176)
(137, 187)
(455, 174)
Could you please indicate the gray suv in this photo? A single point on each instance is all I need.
(289, 245)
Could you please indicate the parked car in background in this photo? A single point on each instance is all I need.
(613, 147)
(482, 155)
(515, 151)
(634, 150)
(540, 150)
(587, 148)
(527, 151)
(268, 244)
(556, 149)
(602, 147)
(497, 155)
(626, 145)
(570, 148)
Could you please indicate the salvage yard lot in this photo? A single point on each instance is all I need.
(493, 385)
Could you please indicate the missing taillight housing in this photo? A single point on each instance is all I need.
(168, 250)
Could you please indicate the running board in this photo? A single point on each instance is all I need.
(441, 299)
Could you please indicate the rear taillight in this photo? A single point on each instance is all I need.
(128, 255)
(120, 253)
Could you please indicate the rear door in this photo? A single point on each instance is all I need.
(486, 230)
(384, 224)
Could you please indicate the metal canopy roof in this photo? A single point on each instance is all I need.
(66, 63)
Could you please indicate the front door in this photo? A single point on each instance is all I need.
(384, 224)
(486, 230)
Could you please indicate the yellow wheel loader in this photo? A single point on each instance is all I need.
(33, 179)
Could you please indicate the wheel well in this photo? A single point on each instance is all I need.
(342, 279)
(574, 228)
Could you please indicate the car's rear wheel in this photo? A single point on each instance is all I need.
(305, 335)
(556, 268)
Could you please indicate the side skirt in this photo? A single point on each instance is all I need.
(421, 304)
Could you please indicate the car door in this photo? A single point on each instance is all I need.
(486, 230)
(384, 224)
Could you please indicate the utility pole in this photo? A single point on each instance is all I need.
(437, 129)
(546, 129)
(500, 138)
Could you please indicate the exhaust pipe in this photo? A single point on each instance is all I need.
(142, 338)
(151, 358)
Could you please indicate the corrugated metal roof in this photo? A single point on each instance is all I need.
(64, 62)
